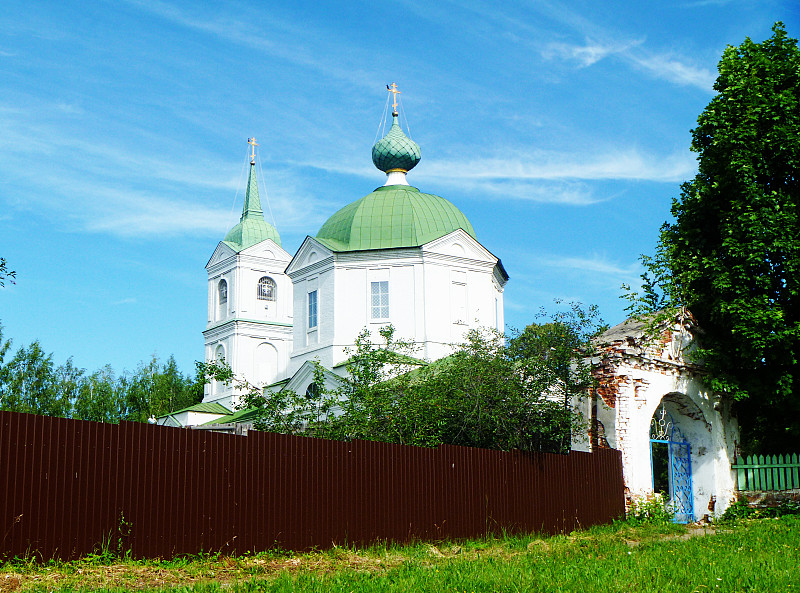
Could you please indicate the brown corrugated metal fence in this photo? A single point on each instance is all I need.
(66, 486)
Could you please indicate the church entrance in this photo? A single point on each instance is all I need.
(671, 464)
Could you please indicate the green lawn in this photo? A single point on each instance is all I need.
(753, 556)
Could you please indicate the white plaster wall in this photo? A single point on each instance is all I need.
(712, 435)
(420, 299)
(247, 322)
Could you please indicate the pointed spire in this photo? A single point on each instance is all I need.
(252, 228)
(252, 203)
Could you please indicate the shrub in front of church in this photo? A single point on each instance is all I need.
(490, 393)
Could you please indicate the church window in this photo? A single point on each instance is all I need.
(223, 292)
(267, 290)
(312, 391)
(380, 299)
(312, 309)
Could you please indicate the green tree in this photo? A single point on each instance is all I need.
(732, 254)
(155, 389)
(100, 397)
(5, 273)
(5, 346)
(32, 384)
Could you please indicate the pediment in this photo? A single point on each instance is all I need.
(310, 252)
(267, 249)
(221, 253)
(305, 375)
(459, 244)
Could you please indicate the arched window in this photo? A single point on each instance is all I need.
(312, 391)
(267, 290)
(223, 292)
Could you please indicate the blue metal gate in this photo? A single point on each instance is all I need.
(679, 466)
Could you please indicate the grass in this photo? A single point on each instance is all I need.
(747, 556)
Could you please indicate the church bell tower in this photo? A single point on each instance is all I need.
(249, 323)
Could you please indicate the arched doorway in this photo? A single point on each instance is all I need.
(671, 464)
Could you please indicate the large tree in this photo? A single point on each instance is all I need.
(732, 254)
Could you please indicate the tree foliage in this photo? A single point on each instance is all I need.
(490, 393)
(30, 382)
(5, 273)
(732, 254)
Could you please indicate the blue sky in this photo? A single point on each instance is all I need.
(561, 130)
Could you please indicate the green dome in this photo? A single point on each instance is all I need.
(395, 150)
(392, 216)
(252, 228)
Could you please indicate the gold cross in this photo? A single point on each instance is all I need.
(252, 142)
(393, 89)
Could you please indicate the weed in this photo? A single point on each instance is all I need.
(650, 509)
(741, 510)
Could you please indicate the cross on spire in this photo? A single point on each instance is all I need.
(393, 89)
(252, 142)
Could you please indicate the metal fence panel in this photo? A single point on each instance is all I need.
(68, 487)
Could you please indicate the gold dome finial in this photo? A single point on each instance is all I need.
(252, 142)
(393, 89)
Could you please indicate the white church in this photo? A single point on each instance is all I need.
(410, 259)
(395, 256)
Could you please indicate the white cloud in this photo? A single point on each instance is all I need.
(664, 66)
(675, 70)
(125, 301)
(627, 164)
(595, 264)
(296, 44)
(588, 54)
(594, 269)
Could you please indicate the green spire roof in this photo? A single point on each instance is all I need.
(395, 151)
(252, 227)
(392, 216)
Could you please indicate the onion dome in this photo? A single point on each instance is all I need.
(395, 151)
(392, 216)
(252, 228)
(395, 215)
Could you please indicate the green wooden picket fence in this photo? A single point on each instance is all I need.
(770, 472)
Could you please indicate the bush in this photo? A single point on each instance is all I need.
(650, 509)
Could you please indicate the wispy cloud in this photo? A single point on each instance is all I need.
(540, 176)
(620, 164)
(289, 41)
(140, 215)
(588, 54)
(674, 70)
(125, 301)
(595, 269)
(595, 264)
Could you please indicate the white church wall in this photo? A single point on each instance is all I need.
(421, 303)
(246, 322)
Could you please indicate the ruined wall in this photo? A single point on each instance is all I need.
(635, 374)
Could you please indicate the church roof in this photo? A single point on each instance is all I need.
(252, 228)
(392, 216)
(397, 214)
